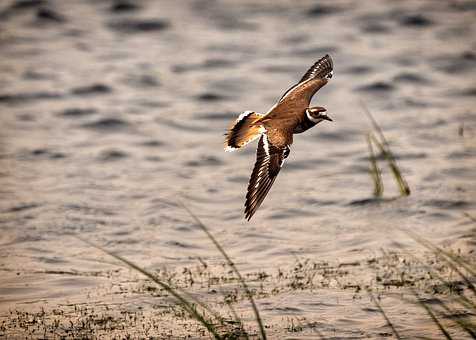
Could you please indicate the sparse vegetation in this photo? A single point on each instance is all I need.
(418, 279)
(384, 148)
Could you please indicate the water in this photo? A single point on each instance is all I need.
(108, 114)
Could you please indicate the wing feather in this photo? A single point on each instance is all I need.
(321, 69)
(269, 159)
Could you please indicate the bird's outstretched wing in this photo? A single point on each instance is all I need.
(298, 97)
(269, 160)
(321, 71)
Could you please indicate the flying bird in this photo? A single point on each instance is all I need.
(275, 130)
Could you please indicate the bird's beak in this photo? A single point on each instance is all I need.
(328, 118)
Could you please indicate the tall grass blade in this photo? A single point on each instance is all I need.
(232, 266)
(472, 218)
(190, 297)
(186, 305)
(319, 334)
(397, 174)
(389, 323)
(449, 258)
(387, 152)
(238, 320)
(463, 263)
(431, 314)
(375, 172)
(461, 299)
(468, 327)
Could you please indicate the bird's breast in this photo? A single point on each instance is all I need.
(303, 125)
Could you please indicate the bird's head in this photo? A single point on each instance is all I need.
(317, 114)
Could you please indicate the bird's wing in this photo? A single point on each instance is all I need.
(269, 160)
(321, 69)
(298, 97)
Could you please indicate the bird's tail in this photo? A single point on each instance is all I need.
(244, 130)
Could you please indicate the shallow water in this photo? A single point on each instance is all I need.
(108, 113)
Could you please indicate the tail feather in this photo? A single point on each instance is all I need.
(243, 131)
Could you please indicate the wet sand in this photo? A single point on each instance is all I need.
(110, 110)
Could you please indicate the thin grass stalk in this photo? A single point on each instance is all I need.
(403, 185)
(190, 297)
(375, 125)
(375, 172)
(186, 305)
(441, 254)
(210, 311)
(461, 299)
(319, 334)
(463, 263)
(468, 327)
(472, 218)
(401, 182)
(465, 325)
(390, 324)
(452, 265)
(233, 267)
(237, 319)
(233, 312)
(432, 315)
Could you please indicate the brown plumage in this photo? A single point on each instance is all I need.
(289, 116)
(243, 130)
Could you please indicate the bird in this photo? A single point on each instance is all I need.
(275, 129)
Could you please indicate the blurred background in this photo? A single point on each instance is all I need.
(110, 110)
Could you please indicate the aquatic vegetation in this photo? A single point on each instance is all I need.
(190, 304)
(384, 148)
(374, 169)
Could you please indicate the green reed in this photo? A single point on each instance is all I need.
(467, 326)
(461, 299)
(454, 262)
(472, 218)
(233, 267)
(187, 305)
(374, 170)
(386, 151)
(187, 301)
(431, 314)
(381, 310)
(457, 264)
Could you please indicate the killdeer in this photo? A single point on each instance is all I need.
(275, 130)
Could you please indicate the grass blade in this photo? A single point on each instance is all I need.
(385, 149)
(449, 258)
(397, 174)
(431, 314)
(468, 327)
(389, 323)
(375, 172)
(190, 297)
(462, 300)
(232, 266)
(472, 218)
(186, 305)
(237, 319)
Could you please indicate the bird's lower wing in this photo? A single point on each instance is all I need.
(269, 160)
